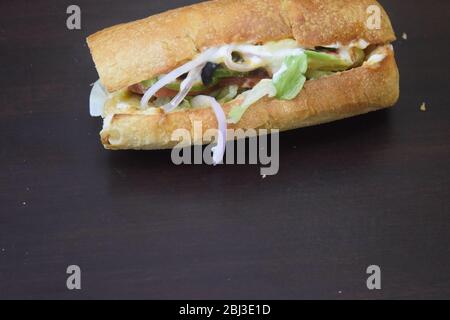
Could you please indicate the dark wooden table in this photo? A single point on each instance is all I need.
(369, 190)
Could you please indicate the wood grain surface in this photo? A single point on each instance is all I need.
(370, 190)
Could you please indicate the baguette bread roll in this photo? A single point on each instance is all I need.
(133, 52)
(371, 87)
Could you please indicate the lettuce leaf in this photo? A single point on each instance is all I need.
(285, 85)
(227, 94)
(289, 80)
(263, 88)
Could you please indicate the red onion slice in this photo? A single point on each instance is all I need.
(175, 74)
(193, 76)
(219, 149)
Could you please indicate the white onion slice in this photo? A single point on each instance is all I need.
(175, 74)
(193, 76)
(240, 67)
(97, 99)
(260, 51)
(219, 149)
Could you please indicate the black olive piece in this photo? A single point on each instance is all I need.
(208, 73)
(325, 49)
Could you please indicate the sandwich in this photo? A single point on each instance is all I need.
(240, 64)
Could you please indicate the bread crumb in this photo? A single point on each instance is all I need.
(404, 36)
(423, 107)
(264, 176)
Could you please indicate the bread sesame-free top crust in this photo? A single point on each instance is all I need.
(129, 53)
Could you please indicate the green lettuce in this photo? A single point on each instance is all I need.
(290, 79)
(263, 88)
(227, 94)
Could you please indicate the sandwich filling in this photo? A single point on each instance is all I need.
(245, 73)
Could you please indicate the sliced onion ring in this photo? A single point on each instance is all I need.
(219, 149)
(175, 74)
(240, 67)
(193, 76)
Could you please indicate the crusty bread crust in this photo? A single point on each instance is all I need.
(367, 88)
(129, 53)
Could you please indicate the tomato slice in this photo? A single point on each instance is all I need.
(242, 82)
(137, 88)
(166, 93)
